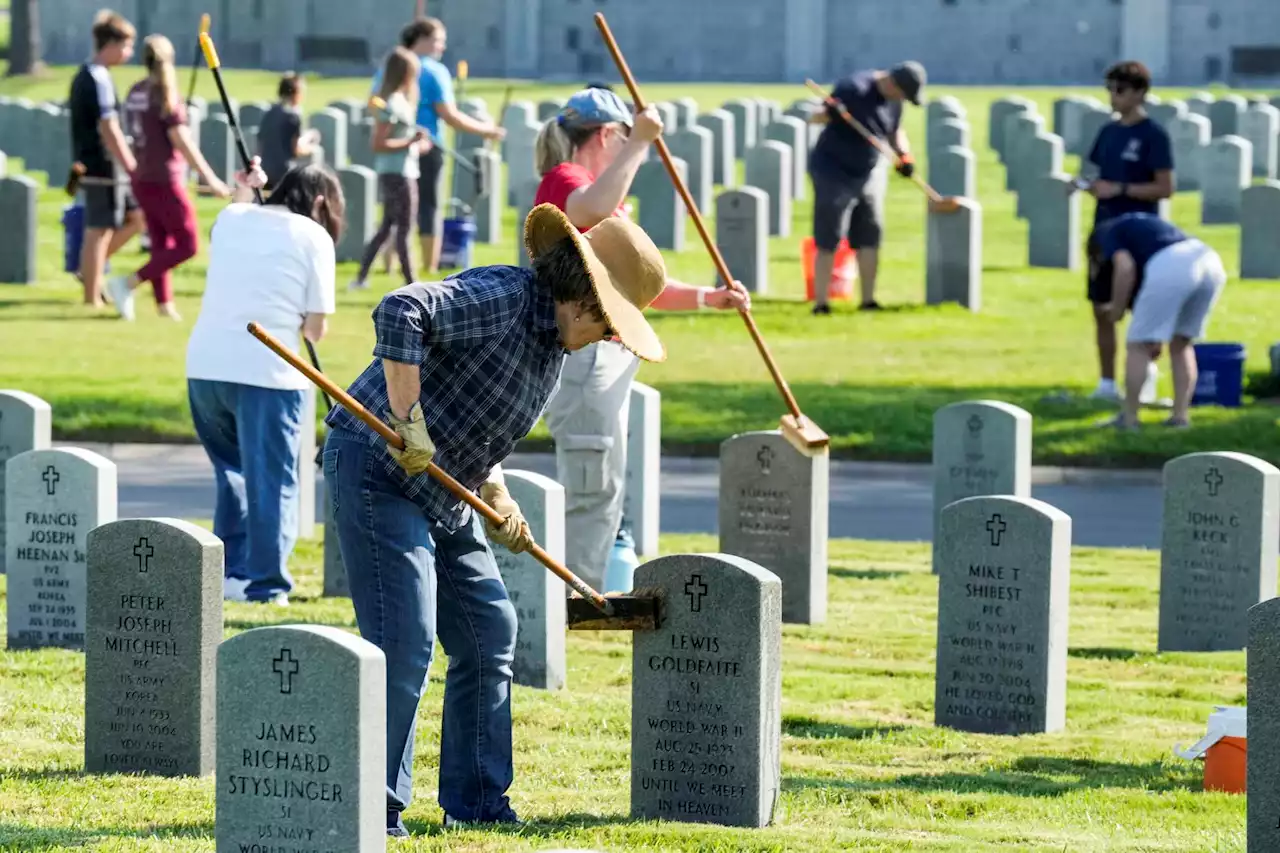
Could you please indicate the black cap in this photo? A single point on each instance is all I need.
(910, 78)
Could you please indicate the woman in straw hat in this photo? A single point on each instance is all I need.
(462, 370)
(588, 155)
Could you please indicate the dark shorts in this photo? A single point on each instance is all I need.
(1098, 284)
(107, 207)
(430, 180)
(853, 209)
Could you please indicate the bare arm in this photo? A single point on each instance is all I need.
(1160, 188)
(587, 206)
(180, 136)
(113, 138)
(459, 120)
(679, 296)
(900, 142)
(403, 386)
(382, 141)
(315, 326)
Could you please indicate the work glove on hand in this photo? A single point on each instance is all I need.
(906, 166)
(514, 533)
(418, 447)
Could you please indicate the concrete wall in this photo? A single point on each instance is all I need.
(960, 41)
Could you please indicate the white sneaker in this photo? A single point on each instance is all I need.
(233, 589)
(1106, 391)
(280, 599)
(358, 285)
(121, 296)
(1148, 393)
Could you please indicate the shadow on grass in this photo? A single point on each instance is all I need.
(865, 574)
(808, 727)
(537, 828)
(19, 837)
(1102, 653)
(41, 774)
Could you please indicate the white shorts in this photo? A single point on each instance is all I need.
(1179, 288)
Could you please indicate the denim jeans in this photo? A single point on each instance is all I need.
(411, 581)
(252, 436)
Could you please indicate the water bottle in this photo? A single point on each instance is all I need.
(619, 574)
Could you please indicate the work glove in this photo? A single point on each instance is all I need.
(418, 446)
(514, 533)
(906, 166)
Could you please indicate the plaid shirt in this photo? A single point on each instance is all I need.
(490, 357)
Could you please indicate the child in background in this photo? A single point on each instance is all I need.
(281, 140)
(397, 142)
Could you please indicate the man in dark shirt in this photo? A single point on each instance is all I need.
(112, 217)
(281, 139)
(846, 195)
(1171, 281)
(1134, 161)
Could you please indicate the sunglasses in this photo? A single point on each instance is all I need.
(1119, 88)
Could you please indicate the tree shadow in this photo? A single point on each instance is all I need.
(1054, 776)
(34, 839)
(1102, 653)
(865, 574)
(41, 774)
(814, 729)
(546, 827)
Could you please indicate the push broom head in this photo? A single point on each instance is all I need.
(804, 435)
(641, 610)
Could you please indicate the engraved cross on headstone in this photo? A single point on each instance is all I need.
(1214, 481)
(695, 589)
(51, 478)
(974, 423)
(144, 552)
(996, 526)
(286, 667)
(765, 458)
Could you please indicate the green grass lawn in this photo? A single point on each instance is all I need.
(863, 767)
(872, 381)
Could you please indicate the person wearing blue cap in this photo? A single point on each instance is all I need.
(587, 156)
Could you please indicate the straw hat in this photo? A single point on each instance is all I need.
(626, 271)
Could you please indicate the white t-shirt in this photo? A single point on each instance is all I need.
(269, 265)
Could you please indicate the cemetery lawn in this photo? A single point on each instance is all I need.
(863, 767)
(870, 380)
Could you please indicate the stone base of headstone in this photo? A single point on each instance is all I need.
(953, 256)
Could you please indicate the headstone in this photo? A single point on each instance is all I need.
(525, 196)
(1067, 111)
(742, 235)
(538, 595)
(686, 112)
(768, 167)
(953, 256)
(706, 694)
(947, 133)
(548, 108)
(745, 124)
(518, 115)
(307, 469)
(945, 108)
(53, 498)
(360, 188)
(693, 146)
(54, 143)
(1225, 170)
(724, 169)
(1200, 104)
(1190, 138)
(251, 114)
(1218, 548)
(1091, 124)
(1263, 697)
(302, 741)
(151, 638)
(980, 448)
(1037, 157)
(26, 423)
(952, 172)
(521, 147)
(662, 213)
(767, 110)
(1001, 109)
(773, 511)
(1019, 130)
(644, 467)
(488, 208)
(793, 133)
(217, 146)
(215, 108)
(1260, 124)
(1004, 578)
(1260, 231)
(1053, 219)
(18, 255)
(670, 120)
(352, 108)
(1165, 113)
(1224, 115)
(360, 143)
(332, 126)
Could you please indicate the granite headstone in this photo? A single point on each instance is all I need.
(1226, 168)
(18, 201)
(1260, 124)
(952, 172)
(1260, 231)
(953, 256)
(724, 166)
(360, 189)
(693, 146)
(1053, 220)
(793, 133)
(742, 235)
(745, 124)
(641, 500)
(1263, 697)
(1190, 137)
(26, 423)
(662, 213)
(768, 166)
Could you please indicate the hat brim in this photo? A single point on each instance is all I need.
(546, 226)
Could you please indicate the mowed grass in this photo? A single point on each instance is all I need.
(872, 381)
(863, 766)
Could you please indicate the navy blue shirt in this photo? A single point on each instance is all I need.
(840, 151)
(1142, 235)
(1130, 154)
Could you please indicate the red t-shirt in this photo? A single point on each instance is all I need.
(558, 184)
(158, 160)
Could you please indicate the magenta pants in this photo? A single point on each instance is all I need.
(171, 223)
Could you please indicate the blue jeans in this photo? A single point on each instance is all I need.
(399, 565)
(252, 436)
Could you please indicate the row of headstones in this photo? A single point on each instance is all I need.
(1004, 564)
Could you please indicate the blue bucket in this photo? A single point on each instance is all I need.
(72, 235)
(458, 235)
(1221, 375)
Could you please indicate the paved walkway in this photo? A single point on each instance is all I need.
(883, 501)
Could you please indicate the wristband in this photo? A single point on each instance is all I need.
(702, 297)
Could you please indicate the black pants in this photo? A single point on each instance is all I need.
(399, 198)
(430, 178)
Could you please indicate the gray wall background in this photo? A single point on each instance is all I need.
(1187, 42)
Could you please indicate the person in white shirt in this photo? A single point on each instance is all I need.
(273, 264)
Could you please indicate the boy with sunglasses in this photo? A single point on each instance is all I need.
(1134, 161)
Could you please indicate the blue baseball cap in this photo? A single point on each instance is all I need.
(593, 107)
